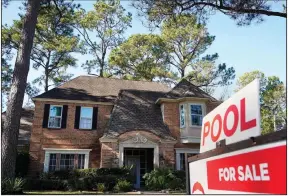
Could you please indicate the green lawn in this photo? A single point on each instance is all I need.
(62, 192)
(88, 193)
(72, 193)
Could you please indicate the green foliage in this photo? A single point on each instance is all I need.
(107, 23)
(141, 57)
(272, 100)
(166, 58)
(101, 187)
(6, 76)
(243, 12)
(85, 179)
(12, 186)
(45, 184)
(187, 40)
(165, 178)
(53, 43)
(22, 163)
(123, 186)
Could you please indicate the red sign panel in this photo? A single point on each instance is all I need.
(262, 171)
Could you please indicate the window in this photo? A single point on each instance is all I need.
(81, 161)
(52, 162)
(85, 118)
(196, 115)
(66, 161)
(183, 160)
(182, 116)
(55, 115)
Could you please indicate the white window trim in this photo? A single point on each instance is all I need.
(60, 115)
(91, 118)
(183, 150)
(49, 151)
(184, 107)
(163, 111)
(139, 145)
(203, 113)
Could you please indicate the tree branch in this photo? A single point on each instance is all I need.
(241, 10)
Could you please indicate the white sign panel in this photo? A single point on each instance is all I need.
(254, 170)
(236, 119)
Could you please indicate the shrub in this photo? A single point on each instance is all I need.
(86, 179)
(12, 186)
(123, 186)
(101, 187)
(164, 178)
(22, 162)
(45, 184)
(76, 184)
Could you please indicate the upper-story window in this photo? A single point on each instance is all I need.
(196, 114)
(55, 115)
(86, 118)
(182, 116)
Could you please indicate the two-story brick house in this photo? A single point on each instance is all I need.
(92, 122)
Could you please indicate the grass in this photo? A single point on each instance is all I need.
(85, 193)
(63, 193)
(71, 193)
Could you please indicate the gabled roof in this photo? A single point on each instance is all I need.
(92, 88)
(136, 110)
(186, 89)
(25, 125)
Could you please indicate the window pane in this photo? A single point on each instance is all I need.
(85, 123)
(52, 162)
(86, 112)
(54, 122)
(197, 120)
(67, 161)
(196, 109)
(55, 111)
(81, 161)
(182, 161)
(182, 115)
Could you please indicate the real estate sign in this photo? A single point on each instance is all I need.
(259, 169)
(238, 118)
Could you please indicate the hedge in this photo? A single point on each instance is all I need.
(80, 179)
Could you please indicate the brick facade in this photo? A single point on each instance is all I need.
(105, 154)
(110, 150)
(68, 138)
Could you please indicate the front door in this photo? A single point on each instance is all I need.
(134, 162)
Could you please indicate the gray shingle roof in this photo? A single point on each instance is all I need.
(92, 88)
(136, 110)
(25, 125)
(186, 89)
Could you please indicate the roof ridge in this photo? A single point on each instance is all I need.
(121, 90)
(119, 79)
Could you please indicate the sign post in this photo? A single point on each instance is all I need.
(235, 158)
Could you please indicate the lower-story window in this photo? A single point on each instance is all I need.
(180, 157)
(183, 160)
(52, 162)
(66, 161)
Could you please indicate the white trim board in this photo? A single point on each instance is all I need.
(49, 151)
(184, 150)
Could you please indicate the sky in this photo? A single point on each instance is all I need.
(255, 47)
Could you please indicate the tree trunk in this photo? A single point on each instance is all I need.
(101, 71)
(16, 96)
(46, 81)
(183, 73)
